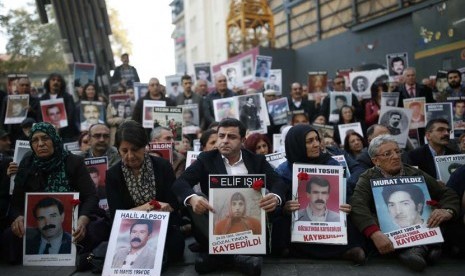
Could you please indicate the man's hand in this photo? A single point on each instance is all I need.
(268, 202)
(12, 169)
(382, 243)
(17, 227)
(437, 217)
(79, 233)
(346, 208)
(291, 206)
(200, 205)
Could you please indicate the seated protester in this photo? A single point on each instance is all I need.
(99, 140)
(50, 168)
(346, 116)
(299, 117)
(354, 144)
(208, 140)
(386, 155)
(372, 132)
(258, 143)
(230, 159)
(373, 106)
(437, 133)
(161, 134)
(139, 178)
(303, 146)
(319, 119)
(456, 183)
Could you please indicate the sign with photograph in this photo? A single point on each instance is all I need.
(191, 157)
(162, 149)
(317, 82)
(347, 128)
(397, 120)
(92, 112)
(279, 111)
(274, 82)
(319, 191)
(396, 63)
(417, 105)
(225, 108)
(203, 71)
(447, 164)
(97, 168)
(440, 110)
(389, 99)
(276, 159)
(121, 105)
(262, 67)
(21, 148)
(238, 225)
(170, 117)
(136, 243)
(147, 112)
(140, 90)
(403, 212)
(336, 101)
(361, 81)
(54, 112)
(253, 112)
(233, 73)
(190, 118)
(84, 73)
(49, 221)
(16, 109)
(173, 86)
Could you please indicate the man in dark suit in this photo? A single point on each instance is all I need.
(298, 102)
(231, 159)
(412, 89)
(339, 86)
(437, 134)
(49, 237)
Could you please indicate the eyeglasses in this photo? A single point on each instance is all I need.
(391, 153)
(100, 135)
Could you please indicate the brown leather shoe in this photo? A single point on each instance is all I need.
(356, 255)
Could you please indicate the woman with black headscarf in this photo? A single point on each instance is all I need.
(49, 168)
(303, 146)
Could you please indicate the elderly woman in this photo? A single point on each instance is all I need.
(303, 146)
(50, 168)
(258, 143)
(139, 178)
(386, 156)
(236, 220)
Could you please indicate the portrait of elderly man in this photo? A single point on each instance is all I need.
(386, 156)
(138, 255)
(49, 237)
(318, 192)
(405, 204)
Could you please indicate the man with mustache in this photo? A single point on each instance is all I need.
(405, 204)
(318, 190)
(49, 237)
(437, 133)
(394, 123)
(99, 140)
(139, 255)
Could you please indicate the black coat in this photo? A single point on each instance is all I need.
(420, 91)
(423, 158)
(118, 194)
(211, 162)
(31, 179)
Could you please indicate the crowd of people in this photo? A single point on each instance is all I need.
(230, 146)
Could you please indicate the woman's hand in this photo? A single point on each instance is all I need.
(346, 208)
(165, 207)
(79, 233)
(12, 169)
(291, 206)
(17, 227)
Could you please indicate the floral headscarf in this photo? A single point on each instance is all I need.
(53, 167)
